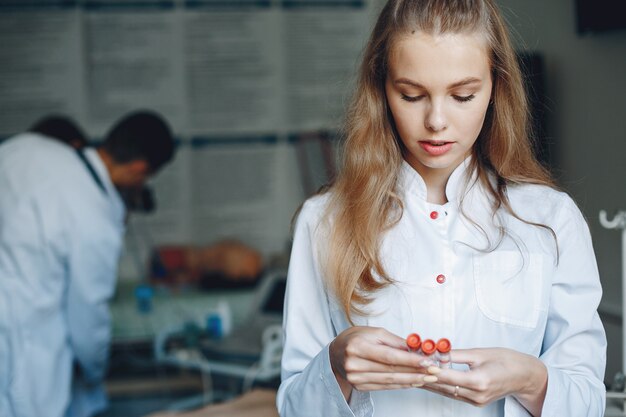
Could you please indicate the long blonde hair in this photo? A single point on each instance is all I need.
(363, 198)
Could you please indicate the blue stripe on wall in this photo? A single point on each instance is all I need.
(202, 141)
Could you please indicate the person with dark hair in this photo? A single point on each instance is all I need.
(141, 135)
(61, 229)
(60, 128)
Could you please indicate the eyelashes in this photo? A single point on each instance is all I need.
(464, 99)
(411, 99)
(460, 99)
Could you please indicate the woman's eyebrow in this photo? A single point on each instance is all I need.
(456, 84)
(465, 81)
(408, 82)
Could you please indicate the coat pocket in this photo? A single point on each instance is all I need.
(510, 287)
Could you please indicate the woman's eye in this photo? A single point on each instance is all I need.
(411, 99)
(464, 99)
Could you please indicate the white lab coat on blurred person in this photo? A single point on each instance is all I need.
(61, 233)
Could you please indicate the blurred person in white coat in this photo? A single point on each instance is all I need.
(61, 228)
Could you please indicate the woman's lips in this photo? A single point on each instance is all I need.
(435, 148)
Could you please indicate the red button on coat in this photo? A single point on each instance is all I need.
(441, 279)
(434, 215)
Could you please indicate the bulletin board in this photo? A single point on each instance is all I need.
(240, 81)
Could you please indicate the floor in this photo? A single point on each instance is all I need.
(136, 407)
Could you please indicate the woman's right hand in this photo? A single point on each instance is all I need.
(370, 359)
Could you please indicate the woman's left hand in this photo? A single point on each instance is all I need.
(494, 373)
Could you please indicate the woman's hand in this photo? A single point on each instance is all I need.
(368, 359)
(494, 373)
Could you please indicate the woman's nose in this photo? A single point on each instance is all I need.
(435, 118)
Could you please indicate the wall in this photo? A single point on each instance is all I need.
(586, 87)
(586, 121)
(246, 85)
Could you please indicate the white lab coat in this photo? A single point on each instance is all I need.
(513, 297)
(60, 240)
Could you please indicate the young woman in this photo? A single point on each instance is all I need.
(441, 222)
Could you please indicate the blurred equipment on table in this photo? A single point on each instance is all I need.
(246, 342)
(225, 264)
(251, 353)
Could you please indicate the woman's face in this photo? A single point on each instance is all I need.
(438, 89)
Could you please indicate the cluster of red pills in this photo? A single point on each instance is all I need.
(439, 351)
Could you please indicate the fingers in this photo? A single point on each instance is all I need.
(381, 346)
(449, 391)
(388, 379)
(390, 356)
(385, 381)
(366, 365)
(375, 359)
(461, 393)
(490, 377)
(377, 387)
(470, 357)
(453, 377)
(395, 342)
(391, 339)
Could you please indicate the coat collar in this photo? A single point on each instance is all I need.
(413, 183)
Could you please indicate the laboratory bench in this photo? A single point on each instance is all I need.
(137, 383)
(134, 323)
